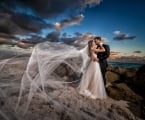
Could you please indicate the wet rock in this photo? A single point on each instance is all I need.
(130, 73)
(122, 92)
(120, 70)
(139, 79)
(111, 77)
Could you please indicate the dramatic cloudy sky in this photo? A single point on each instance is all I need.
(121, 23)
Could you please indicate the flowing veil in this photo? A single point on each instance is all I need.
(43, 68)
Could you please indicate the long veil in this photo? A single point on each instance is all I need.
(50, 65)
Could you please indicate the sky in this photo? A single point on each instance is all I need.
(122, 16)
(121, 23)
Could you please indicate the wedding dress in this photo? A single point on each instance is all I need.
(92, 84)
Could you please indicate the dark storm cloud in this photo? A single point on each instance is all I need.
(64, 34)
(20, 24)
(27, 16)
(53, 36)
(48, 8)
(28, 22)
(22, 17)
(6, 24)
(123, 36)
(137, 51)
(78, 34)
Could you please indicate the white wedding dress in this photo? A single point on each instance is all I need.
(92, 84)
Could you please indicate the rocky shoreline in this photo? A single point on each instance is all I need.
(124, 87)
(128, 84)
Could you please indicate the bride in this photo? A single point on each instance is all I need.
(92, 84)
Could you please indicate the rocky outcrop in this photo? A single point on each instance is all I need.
(127, 84)
(122, 91)
(139, 85)
(112, 77)
(65, 103)
(139, 80)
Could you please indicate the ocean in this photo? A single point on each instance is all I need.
(126, 65)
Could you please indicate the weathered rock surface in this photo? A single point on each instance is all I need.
(112, 77)
(65, 103)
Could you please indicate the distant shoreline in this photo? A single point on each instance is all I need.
(126, 64)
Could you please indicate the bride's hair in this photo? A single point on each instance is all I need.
(89, 47)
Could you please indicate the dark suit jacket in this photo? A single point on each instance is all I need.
(102, 56)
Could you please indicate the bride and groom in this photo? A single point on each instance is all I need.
(93, 81)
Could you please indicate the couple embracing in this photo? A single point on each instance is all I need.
(93, 81)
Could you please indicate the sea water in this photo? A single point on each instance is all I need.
(126, 65)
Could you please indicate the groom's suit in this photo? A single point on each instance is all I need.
(102, 56)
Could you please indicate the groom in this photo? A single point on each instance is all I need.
(102, 56)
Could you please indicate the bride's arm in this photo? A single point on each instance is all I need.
(93, 56)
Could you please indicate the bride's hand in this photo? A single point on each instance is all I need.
(95, 59)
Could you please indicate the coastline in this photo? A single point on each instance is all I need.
(134, 65)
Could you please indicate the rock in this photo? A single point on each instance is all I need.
(67, 104)
(139, 80)
(111, 77)
(66, 73)
(130, 72)
(62, 70)
(139, 85)
(6, 112)
(109, 68)
(120, 70)
(123, 92)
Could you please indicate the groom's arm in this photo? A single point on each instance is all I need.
(101, 49)
(107, 52)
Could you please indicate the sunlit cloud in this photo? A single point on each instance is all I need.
(117, 32)
(114, 55)
(87, 36)
(117, 57)
(104, 39)
(68, 22)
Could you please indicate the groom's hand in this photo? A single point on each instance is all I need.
(96, 59)
(92, 49)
